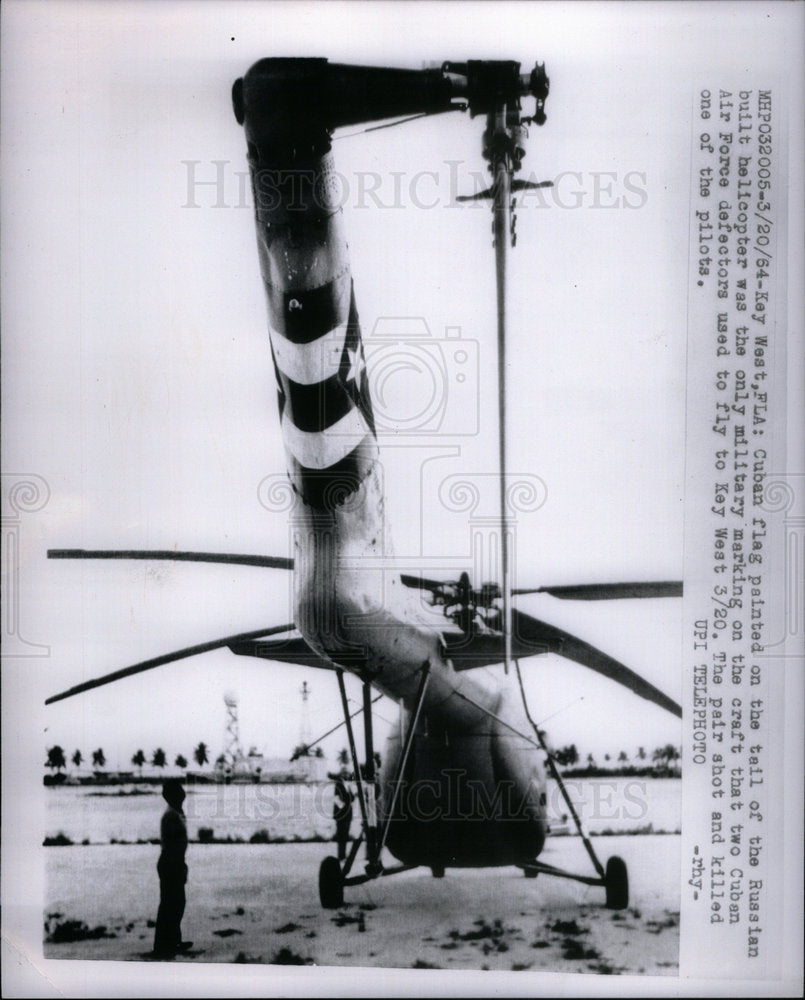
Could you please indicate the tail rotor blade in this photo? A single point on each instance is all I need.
(488, 194)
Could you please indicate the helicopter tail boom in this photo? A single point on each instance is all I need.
(303, 91)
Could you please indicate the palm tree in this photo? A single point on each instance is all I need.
(669, 754)
(98, 759)
(641, 753)
(200, 754)
(138, 760)
(56, 758)
(159, 759)
(663, 756)
(180, 761)
(77, 758)
(590, 760)
(622, 757)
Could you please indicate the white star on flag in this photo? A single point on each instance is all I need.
(356, 365)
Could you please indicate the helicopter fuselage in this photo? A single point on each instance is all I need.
(472, 792)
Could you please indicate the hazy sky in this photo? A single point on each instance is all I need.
(138, 380)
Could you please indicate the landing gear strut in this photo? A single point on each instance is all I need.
(615, 879)
(332, 876)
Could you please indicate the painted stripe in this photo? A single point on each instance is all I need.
(304, 315)
(328, 488)
(307, 364)
(318, 407)
(320, 450)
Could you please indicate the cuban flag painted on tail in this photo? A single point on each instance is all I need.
(323, 388)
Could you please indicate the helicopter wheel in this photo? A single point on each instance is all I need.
(437, 871)
(530, 872)
(616, 882)
(331, 884)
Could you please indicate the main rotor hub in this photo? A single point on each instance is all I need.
(489, 84)
(472, 609)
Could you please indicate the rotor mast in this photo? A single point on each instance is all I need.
(499, 150)
(495, 88)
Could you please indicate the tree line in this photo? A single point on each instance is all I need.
(662, 760)
(57, 758)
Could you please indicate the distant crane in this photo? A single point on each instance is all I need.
(304, 729)
(233, 751)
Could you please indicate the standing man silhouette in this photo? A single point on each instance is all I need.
(342, 814)
(172, 874)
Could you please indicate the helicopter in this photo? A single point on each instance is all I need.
(463, 782)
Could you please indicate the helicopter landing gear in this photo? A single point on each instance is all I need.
(333, 877)
(615, 878)
(331, 884)
(616, 884)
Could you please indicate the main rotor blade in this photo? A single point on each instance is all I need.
(532, 631)
(607, 591)
(532, 637)
(271, 562)
(158, 661)
(423, 583)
